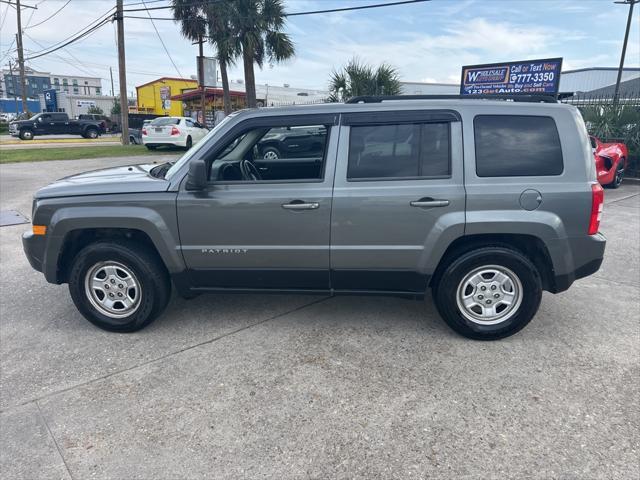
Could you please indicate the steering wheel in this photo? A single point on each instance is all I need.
(249, 170)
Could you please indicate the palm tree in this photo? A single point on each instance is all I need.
(258, 26)
(202, 19)
(361, 79)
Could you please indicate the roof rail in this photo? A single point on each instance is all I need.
(514, 98)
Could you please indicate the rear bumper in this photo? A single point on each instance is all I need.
(588, 256)
(178, 141)
(34, 246)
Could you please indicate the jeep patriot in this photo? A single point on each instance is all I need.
(484, 202)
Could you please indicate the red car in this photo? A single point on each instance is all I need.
(611, 162)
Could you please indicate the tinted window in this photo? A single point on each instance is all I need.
(511, 145)
(399, 151)
(162, 121)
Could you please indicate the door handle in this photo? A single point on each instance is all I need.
(428, 202)
(300, 205)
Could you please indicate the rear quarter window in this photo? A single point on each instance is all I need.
(517, 145)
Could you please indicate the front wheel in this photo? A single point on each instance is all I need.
(26, 134)
(119, 286)
(488, 293)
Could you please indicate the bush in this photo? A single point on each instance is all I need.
(616, 123)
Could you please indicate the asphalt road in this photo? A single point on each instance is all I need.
(257, 386)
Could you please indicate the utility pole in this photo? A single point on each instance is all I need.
(113, 90)
(13, 84)
(631, 3)
(122, 74)
(203, 94)
(23, 87)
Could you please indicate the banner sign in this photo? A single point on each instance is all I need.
(513, 78)
(50, 100)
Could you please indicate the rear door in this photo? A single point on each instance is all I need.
(398, 194)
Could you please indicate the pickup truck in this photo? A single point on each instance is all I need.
(49, 123)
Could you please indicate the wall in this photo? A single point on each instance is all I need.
(8, 105)
(150, 101)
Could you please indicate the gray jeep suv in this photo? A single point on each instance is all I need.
(485, 202)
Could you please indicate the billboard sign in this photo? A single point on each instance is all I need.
(512, 78)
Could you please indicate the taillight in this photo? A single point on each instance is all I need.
(597, 203)
(175, 131)
(144, 131)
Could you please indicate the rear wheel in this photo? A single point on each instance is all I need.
(119, 286)
(617, 179)
(26, 134)
(488, 293)
(91, 133)
(132, 140)
(270, 153)
(189, 143)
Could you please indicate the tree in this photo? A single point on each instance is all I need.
(115, 109)
(358, 78)
(258, 25)
(94, 109)
(211, 20)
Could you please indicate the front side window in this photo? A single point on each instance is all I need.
(399, 151)
(517, 145)
(267, 154)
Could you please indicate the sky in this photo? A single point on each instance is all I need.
(425, 42)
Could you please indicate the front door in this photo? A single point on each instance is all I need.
(250, 230)
(398, 192)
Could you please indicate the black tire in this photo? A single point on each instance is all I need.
(445, 291)
(150, 273)
(132, 140)
(91, 133)
(189, 143)
(150, 147)
(275, 153)
(617, 179)
(26, 134)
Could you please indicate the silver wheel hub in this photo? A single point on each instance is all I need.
(270, 155)
(489, 295)
(113, 289)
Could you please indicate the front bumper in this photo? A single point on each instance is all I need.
(34, 246)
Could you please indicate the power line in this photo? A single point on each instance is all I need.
(22, 5)
(50, 16)
(293, 14)
(162, 41)
(361, 7)
(107, 15)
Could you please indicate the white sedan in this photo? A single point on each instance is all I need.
(178, 131)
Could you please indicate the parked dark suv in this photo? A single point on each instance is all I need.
(485, 202)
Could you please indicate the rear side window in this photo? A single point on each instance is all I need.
(399, 151)
(513, 146)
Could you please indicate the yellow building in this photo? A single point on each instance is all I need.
(155, 96)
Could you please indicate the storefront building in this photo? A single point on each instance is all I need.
(155, 96)
(191, 102)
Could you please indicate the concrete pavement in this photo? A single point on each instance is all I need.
(278, 386)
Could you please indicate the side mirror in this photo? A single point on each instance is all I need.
(197, 177)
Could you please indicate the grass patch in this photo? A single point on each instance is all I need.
(76, 153)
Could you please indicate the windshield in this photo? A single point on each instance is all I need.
(161, 121)
(197, 148)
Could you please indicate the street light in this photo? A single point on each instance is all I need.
(631, 3)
